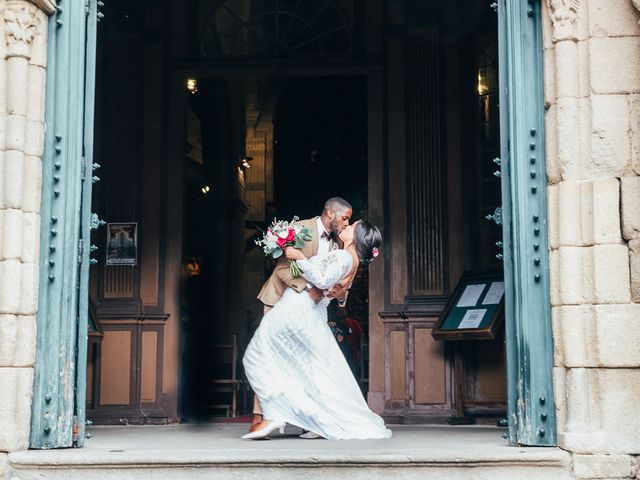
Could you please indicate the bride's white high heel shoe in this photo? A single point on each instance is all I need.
(265, 432)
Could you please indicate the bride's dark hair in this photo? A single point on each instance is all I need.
(367, 239)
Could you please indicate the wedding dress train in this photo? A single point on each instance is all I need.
(296, 368)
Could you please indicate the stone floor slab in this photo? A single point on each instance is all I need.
(216, 452)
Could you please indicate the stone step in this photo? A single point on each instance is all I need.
(167, 453)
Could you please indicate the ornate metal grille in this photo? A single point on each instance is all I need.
(276, 29)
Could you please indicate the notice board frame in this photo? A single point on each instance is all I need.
(486, 330)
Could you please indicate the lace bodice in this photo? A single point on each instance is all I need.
(327, 269)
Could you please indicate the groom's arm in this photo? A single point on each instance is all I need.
(283, 272)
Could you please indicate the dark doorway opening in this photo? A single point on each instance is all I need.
(260, 148)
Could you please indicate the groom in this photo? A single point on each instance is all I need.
(324, 237)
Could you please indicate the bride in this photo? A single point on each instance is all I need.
(293, 362)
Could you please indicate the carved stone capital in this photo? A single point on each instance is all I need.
(21, 25)
(563, 15)
(47, 6)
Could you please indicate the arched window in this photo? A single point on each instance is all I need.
(276, 29)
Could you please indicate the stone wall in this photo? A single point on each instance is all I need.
(592, 97)
(23, 56)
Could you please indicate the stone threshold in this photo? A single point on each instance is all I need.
(215, 451)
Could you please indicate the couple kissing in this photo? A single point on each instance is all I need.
(293, 363)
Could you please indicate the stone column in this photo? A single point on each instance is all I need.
(23, 55)
(592, 83)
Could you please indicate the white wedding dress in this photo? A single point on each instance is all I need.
(296, 368)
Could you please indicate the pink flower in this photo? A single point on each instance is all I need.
(291, 235)
(281, 242)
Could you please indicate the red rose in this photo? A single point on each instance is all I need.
(291, 235)
(281, 242)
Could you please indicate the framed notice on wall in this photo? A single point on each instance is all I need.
(122, 244)
(475, 310)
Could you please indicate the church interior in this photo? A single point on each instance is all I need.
(213, 117)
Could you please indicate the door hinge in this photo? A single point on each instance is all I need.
(83, 168)
(80, 251)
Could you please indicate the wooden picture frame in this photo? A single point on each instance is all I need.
(122, 244)
(475, 310)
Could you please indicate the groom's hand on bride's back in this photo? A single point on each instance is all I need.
(316, 294)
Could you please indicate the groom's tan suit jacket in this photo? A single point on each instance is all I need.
(281, 278)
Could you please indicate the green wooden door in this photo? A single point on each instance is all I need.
(58, 412)
(524, 214)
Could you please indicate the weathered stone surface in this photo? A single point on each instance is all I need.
(549, 77)
(36, 93)
(575, 270)
(10, 234)
(597, 336)
(588, 212)
(547, 29)
(634, 264)
(19, 235)
(617, 336)
(571, 217)
(415, 452)
(15, 133)
(3, 132)
(610, 142)
(3, 91)
(553, 213)
(595, 274)
(12, 179)
(34, 139)
(17, 81)
(584, 84)
(17, 341)
(32, 186)
(630, 193)
(568, 137)
(606, 211)
(611, 274)
(39, 42)
(560, 397)
(18, 287)
(602, 466)
(613, 18)
(599, 405)
(634, 119)
(16, 389)
(566, 54)
(615, 65)
(574, 336)
(554, 174)
(30, 237)
(574, 138)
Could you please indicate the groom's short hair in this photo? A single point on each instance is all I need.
(337, 204)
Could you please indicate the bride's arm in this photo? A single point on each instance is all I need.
(323, 272)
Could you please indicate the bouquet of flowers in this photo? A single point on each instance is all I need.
(282, 234)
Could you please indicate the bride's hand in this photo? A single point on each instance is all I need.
(294, 253)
